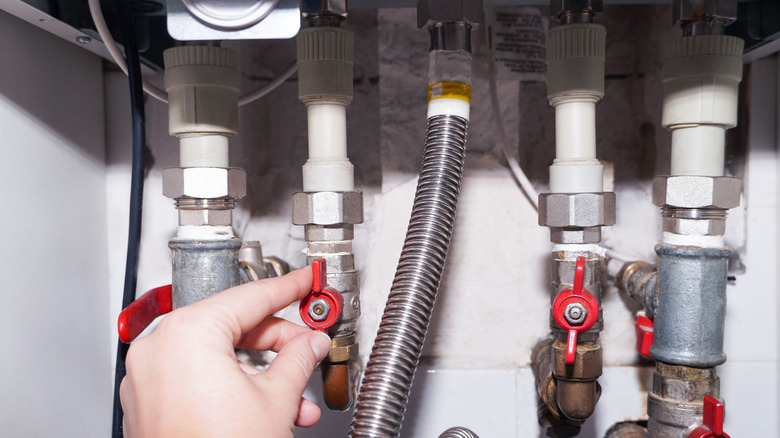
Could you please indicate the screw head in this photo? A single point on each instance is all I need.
(575, 313)
(82, 39)
(319, 309)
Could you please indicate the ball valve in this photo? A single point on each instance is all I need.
(712, 424)
(575, 310)
(321, 308)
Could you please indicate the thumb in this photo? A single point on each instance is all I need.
(293, 366)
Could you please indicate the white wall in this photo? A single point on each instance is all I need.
(55, 368)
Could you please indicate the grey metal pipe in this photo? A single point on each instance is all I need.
(388, 377)
(689, 319)
(202, 268)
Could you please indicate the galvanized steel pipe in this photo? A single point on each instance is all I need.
(202, 268)
(691, 309)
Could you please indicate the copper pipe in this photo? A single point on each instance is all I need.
(578, 389)
(338, 388)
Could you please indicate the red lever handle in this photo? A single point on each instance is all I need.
(644, 327)
(714, 414)
(141, 312)
(321, 308)
(584, 301)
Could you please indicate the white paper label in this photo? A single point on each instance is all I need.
(516, 37)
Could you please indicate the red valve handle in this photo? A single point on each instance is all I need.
(141, 312)
(570, 296)
(320, 291)
(714, 414)
(644, 335)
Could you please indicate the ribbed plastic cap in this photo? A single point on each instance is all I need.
(575, 59)
(701, 76)
(326, 44)
(200, 55)
(698, 45)
(202, 84)
(325, 64)
(580, 40)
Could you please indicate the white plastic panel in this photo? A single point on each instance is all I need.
(55, 368)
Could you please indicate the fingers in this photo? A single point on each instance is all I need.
(291, 369)
(244, 307)
(308, 414)
(271, 334)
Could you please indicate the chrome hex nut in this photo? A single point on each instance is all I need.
(559, 7)
(319, 310)
(689, 191)
(448, 11)
(204, 182)
(569, 210)
(324, 7)
(327, 208)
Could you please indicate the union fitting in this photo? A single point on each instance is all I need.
(696, 205)
(576, 217)
(327, 208)
(204, 195)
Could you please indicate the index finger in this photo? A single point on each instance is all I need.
(244, 307)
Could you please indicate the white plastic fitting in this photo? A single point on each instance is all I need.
(325, 59)
(328, 168)
(206, 150)
(575, 83)
(202, 84)
(698, 150)
(701, 76)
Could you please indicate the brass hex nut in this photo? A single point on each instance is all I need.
(204, 182)
(343, 349)
(686, 191)
(448, 11)
(690, 10)
(558, 7)
(327, 208)
(570, 210)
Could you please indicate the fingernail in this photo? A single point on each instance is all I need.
(320, 344)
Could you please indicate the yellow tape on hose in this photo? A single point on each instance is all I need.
(449, 90)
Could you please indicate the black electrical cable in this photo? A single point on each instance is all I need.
(136, 194)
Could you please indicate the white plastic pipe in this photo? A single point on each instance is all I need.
(698, 150)
(576, 169)
(328, 168)
(575, 128)
(203, 151)
(327, 130)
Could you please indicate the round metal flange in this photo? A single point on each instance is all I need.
(230, 14)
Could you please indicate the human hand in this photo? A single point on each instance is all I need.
(184, 379)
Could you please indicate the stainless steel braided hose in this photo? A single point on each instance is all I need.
(388, 377)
